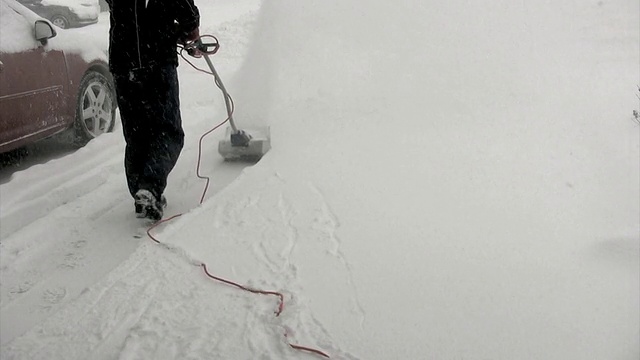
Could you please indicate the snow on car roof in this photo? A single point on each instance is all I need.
(17, 34)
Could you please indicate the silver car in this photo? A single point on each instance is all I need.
(66, 13)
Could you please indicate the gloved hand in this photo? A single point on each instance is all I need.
(193, 35)
(189, 39)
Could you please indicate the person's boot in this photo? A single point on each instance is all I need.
(147, 206)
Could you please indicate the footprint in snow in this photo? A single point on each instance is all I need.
(54, 295)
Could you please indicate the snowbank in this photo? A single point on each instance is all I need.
(455, 180)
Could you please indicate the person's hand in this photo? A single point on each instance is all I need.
(194, 51)
(193, 35)
(190, 43)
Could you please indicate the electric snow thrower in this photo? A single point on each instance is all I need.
(237, 144)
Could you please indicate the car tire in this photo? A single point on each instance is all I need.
(95, 108)
(60, 21)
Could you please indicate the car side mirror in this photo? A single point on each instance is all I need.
(44, 31)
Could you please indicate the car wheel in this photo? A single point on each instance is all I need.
(60, 21)
(96, 108)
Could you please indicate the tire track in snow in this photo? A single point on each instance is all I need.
(153, 306)
(57, 269)
(92, 317)
(37, 191)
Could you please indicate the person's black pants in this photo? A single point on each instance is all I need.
(149, 105)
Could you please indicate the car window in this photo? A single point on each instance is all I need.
(68, 3)
(16, 32)
(29, 2)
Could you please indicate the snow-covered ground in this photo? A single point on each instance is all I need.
(448, 180)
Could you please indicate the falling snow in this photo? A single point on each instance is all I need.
(448, 180)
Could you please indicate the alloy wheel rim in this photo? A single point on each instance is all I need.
(59, 23)
(97, 107)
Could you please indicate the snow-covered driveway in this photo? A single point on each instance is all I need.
(67, 222)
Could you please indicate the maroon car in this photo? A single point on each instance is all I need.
(49, 87)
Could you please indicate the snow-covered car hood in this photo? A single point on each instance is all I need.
(22, 40)
(86, 44)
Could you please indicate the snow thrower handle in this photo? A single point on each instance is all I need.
(227, 99)
(200, 47)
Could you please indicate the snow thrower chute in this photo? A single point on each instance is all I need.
(237, 144)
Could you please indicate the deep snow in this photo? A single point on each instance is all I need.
(448, 180)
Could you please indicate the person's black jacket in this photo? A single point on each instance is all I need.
(144, 33)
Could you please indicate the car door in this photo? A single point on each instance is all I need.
(32, 83)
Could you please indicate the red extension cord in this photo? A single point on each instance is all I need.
(207, 179)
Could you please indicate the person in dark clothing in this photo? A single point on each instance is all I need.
(142, 58)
